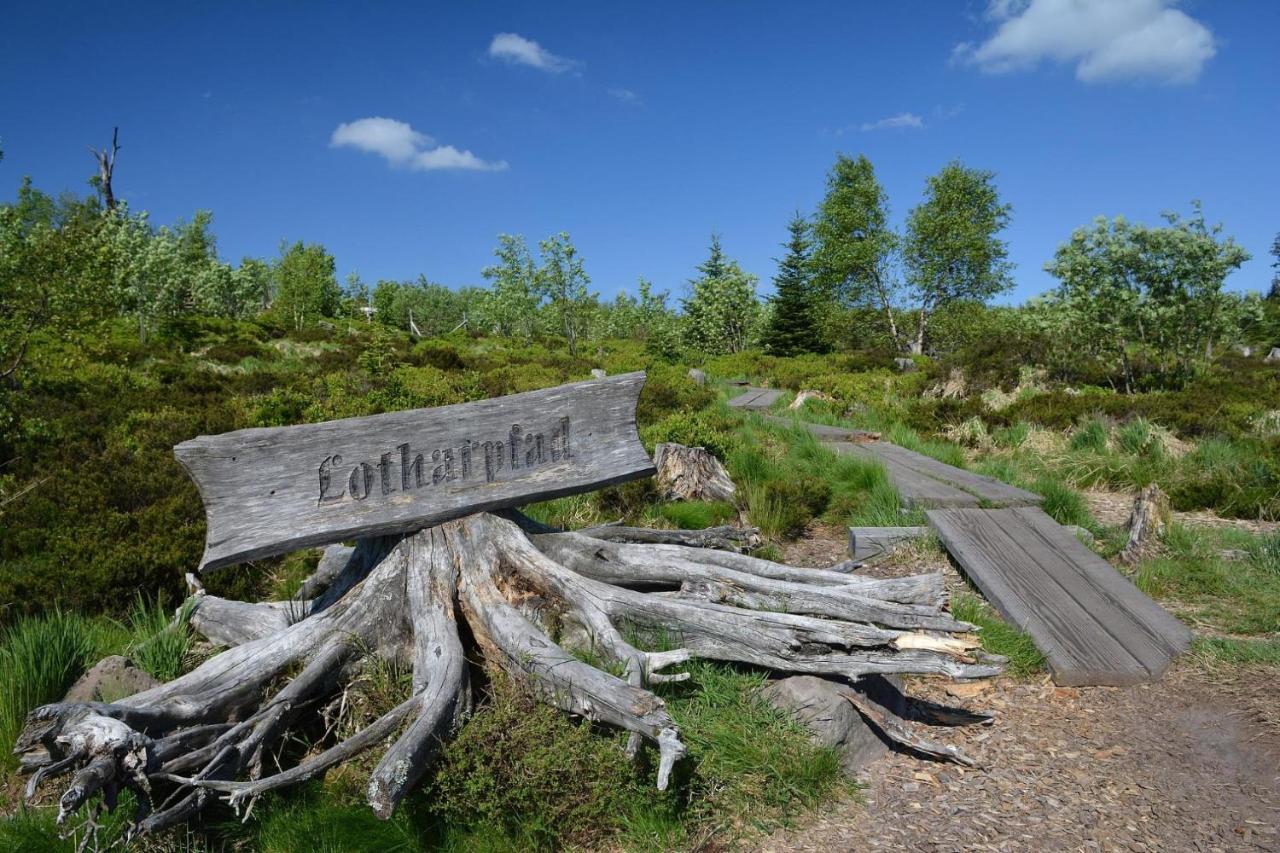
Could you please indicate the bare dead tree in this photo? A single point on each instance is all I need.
(106, 168)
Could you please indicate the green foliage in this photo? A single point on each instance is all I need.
(793, 323)
(563, 281)
(522, 766)
(159, 640)
(1092, 434)
(697, 515)
(746, 758)
(1063, 504)
(855, 246)
(999, 637)
(1239, 652)
(313, 824)
(421, 307)
(1012, 436)
(721, 312)
(646, 318)
(952, 249)
(1133, 293)
(713, 431)
(306, 287)
(1238, 597)
(52, 277)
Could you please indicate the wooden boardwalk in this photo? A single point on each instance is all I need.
(756, 398)
(1093, 625)
(922, 482)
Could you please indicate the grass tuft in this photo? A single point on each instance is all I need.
(998, 636)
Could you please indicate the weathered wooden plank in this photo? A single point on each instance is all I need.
(756, 398)
(1159, 624)
(987, 489)
(917, 491)
(867, 544)
(1093, 625)
(1063, 565)
(1076, 650)
(823, 432)
(268, 491)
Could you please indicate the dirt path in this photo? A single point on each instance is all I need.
(1159, 767)
(1186, 764)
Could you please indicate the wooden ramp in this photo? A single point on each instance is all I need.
(1093, 625)
(756, 398)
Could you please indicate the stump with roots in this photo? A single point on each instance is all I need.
(527, 595)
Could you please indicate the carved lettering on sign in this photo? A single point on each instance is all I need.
(405, 470)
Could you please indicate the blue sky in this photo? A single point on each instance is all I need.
(640, 128)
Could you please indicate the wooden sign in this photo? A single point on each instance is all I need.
(269, 491)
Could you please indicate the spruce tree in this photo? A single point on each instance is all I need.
(793, 326)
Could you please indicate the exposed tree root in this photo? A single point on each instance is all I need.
(528, 602)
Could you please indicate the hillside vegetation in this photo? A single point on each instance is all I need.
(119, 340)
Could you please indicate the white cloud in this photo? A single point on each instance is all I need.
(1105, 39)
(894, 122)
(400, 145)
(518, 50)
(625, 95)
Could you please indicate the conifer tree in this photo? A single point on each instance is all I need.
(793, 325)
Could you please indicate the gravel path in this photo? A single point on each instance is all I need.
(1186, 764)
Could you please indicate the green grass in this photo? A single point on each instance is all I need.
(1063, 503)
(696, 515)
(1238, 597)
(159, 639)
(999, 637)
(1092, 434)
(40, 657)
(1239, 652)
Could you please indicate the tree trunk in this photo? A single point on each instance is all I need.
(883, 293)
(106, 169)
(917, 345)
(528, 602)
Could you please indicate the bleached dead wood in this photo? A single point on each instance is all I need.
(691, 474)
(1147, 522)
(213, 731)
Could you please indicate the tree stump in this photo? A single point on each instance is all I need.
(691, 474)
(1147, 523)
(524, 595)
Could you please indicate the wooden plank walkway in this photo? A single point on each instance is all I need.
(910, 466)
(756, 398)
(916, 490)
(1093, 625)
